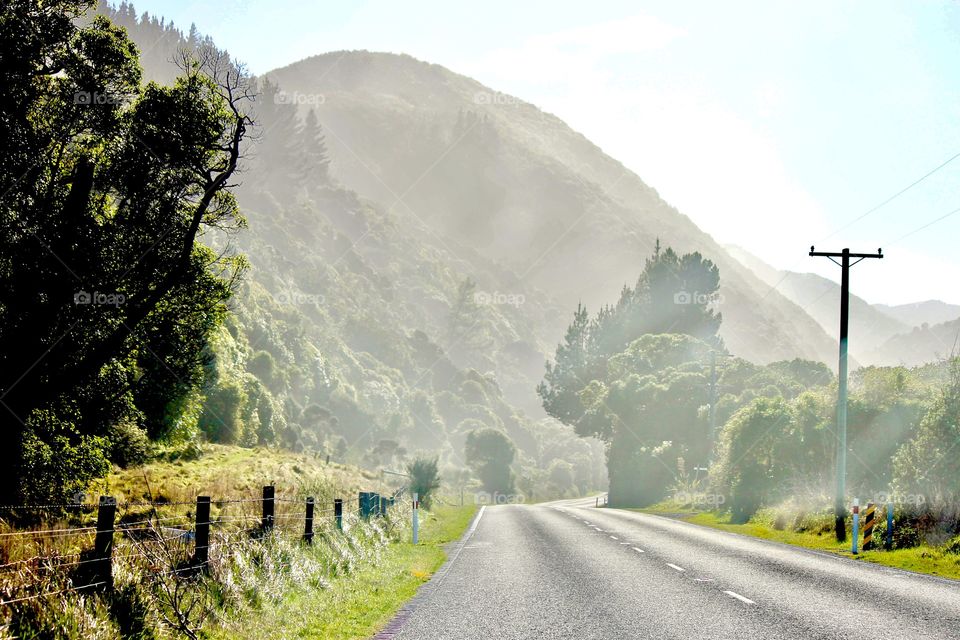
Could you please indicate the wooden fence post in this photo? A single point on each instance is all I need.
(201, 552)
(308, 525)
(103, 543)
(338, 512)
(268, 504)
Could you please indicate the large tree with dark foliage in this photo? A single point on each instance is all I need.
(630, 376)
(106, 186)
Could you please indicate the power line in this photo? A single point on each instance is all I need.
(895, 196)
(873, 209)
(924, 226)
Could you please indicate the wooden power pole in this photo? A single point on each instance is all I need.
(840, 507)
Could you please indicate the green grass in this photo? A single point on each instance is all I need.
(359, 604)
(923, 559)
(223, 471)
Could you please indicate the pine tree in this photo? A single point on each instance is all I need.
(314, 166)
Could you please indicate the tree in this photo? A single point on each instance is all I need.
(424, 479)
(758, 453)
(673, 295)
(107, 187)
(562, 381)
(314, 165)
(928, 465)
(490, 452)
(648, 410)
(466, 328)
(560, 476)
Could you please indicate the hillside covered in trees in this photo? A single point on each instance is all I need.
(351, 334)
(307, 275)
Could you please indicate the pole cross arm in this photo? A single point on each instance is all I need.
(840, 254)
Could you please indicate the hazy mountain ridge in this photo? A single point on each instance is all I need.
(915, 314)
(908, 334)
(522, 188)
(820, 298)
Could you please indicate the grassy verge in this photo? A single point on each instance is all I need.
(922, 559)
(224, 471)
(356, 605)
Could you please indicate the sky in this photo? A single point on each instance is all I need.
(772, 125)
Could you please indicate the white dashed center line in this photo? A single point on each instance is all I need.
(639, 550)
(614, 538)
(673, 566)
(739, 597)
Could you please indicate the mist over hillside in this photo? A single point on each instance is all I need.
(908, 334)
(498, 175)
(417, 245)
(371, 338)
(916, 314)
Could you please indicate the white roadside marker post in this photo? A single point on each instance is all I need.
(856, 523)
(416, 521)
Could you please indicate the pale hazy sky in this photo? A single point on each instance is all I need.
(772, 125)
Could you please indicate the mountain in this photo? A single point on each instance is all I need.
(820, 297)
(917, 314)
(923, 344)
(489, 173)
(908, 334)
(417, 245)
(357, 330)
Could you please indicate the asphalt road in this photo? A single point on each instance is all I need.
(568, 570)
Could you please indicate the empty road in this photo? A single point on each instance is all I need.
(568, 570)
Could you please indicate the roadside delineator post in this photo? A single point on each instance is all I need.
(869, 521)
(888, 538)
(416, 521)
(338, 512)
(856, 524)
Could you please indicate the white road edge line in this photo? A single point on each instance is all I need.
(673, 566)
(639, 550)
(739, 597)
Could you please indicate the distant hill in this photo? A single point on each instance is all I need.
(923, 344)
(820, 297)
(908, 334)
(917, 314)
(493, 174)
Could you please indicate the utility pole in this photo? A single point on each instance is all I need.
(713, 402)
(714, 398)
(840, 508)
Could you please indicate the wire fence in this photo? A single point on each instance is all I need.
(47, 562)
